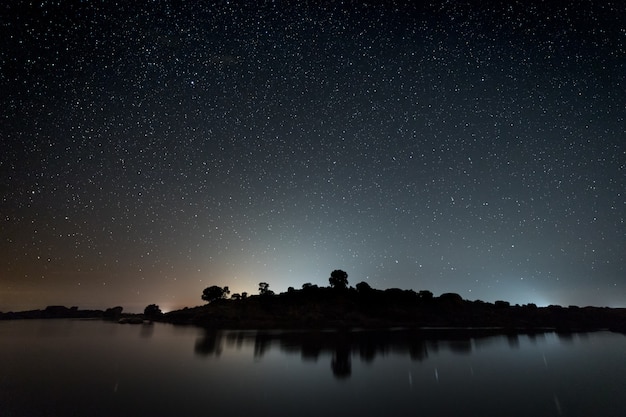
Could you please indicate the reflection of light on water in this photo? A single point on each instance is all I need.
(436, 374)
(410, 379)
(557, 404)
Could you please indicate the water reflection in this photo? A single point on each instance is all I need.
(102, 369)
(513, 340)
(147, 330)
(340, 347)
(565, 337)
(209, 344)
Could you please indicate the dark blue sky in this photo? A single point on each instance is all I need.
(151, 149)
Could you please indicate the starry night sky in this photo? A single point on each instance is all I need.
(151, 149)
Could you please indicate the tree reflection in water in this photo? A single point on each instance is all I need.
(342, 346)
(209, 344)
(341, 363)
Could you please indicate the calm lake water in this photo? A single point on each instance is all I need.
(94, 368)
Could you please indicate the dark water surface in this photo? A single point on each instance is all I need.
(94, 368)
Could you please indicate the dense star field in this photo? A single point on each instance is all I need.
(152, 149)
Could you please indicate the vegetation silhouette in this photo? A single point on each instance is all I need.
(338, 279)
(152, 311)
(214, 292)
(361, 306)
(264, 289)
(113, 313)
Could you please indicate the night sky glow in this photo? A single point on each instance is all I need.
(151, 149)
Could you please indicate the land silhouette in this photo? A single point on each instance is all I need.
(366, 307)
(342, 306)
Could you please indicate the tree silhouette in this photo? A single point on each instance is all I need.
(451, 297)
(152, 310)
(338, 279)
(113, 312)
(214, 292)
(363, 287)
(425, 295)
(264, 289)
